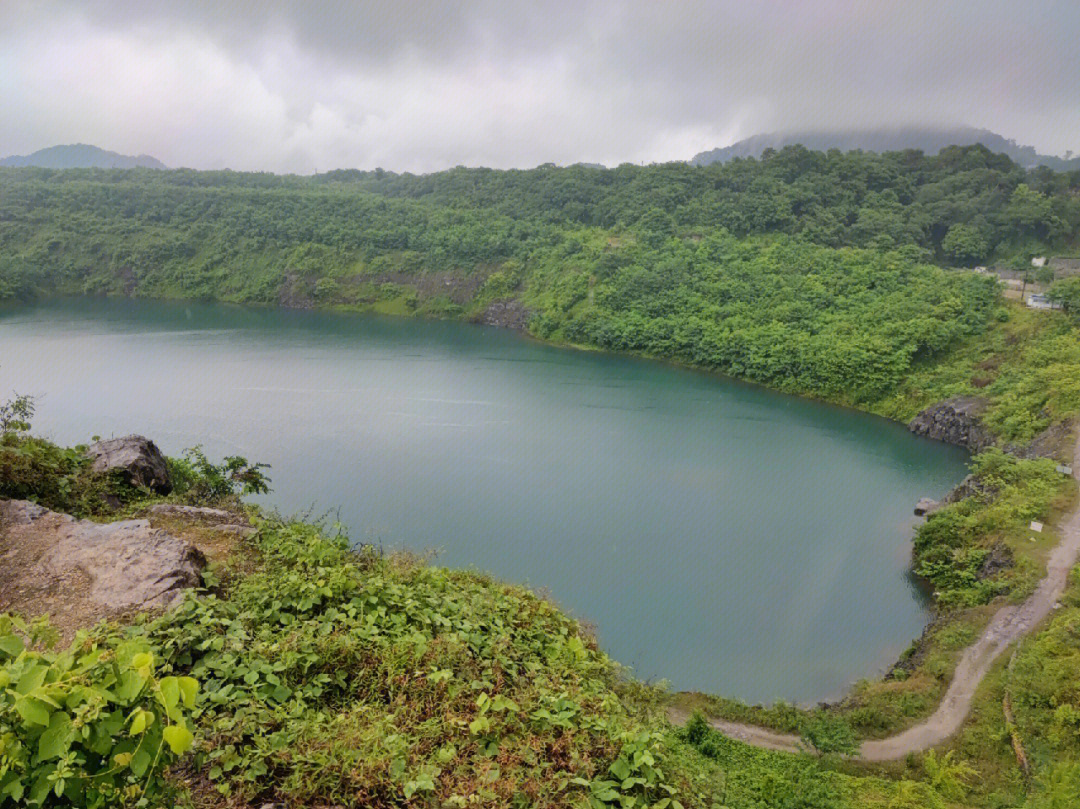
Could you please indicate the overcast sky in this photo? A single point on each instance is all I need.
(421, 86)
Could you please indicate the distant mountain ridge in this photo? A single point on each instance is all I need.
(929, 140)
(81, 156)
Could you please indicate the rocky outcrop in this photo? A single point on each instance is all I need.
(508, 314)
(1053, 442)
(129, 564)
(955, 421)
(970, 486)
(79, 571)
(191, 512)
(999, 558)
(136, 458)
(926, 506)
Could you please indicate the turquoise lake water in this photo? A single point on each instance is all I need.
(718, 535)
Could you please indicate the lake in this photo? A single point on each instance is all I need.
(717, 535)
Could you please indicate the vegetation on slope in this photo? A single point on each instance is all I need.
(810, 272)
(312, 674)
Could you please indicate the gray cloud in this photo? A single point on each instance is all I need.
(300, 86)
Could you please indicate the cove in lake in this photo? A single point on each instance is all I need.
(721, 536)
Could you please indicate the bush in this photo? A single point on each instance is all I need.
(91, 726)
(828, 733)
(197, 479)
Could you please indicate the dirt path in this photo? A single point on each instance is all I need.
(1008, 625)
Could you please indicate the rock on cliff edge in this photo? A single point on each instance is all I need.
(137, 458)
(955, 421)
(78, 571)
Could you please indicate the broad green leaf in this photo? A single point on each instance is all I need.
(140, 721)
(129, 687)
(11, 645)
(33, 711)
(141, 761)
(31, 679)
(620, 769)
(169, 693)
(189, 687)
(56, 739)
(178, 738)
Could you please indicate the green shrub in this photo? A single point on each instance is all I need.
(196, 479)
(91, 726)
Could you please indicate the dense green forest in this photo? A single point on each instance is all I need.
(814, 272)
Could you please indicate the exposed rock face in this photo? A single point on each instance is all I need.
(970, 486)
(79, 571)
(129, 564)
(509, 314)
(224, 522)
(1000, 558)
(138, 458)
(926, 506)
(955, 421)
(1053, 442)
(19, 512)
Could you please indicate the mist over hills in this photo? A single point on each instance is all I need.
(81, 156)
(930, 140)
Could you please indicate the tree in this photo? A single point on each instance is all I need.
(1067, 293)
(1044, 275)
(964, 243)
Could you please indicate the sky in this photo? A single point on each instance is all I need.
(421, 86)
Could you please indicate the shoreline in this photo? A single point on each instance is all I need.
(883, 675)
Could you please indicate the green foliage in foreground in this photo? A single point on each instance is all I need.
(91, 726)
(331, 677)
(1044, 683)
(747, 777)
(199, 480)
(338, 679)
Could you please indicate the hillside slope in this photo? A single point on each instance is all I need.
(81, 156)
(928, 140)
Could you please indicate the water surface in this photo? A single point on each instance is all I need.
(718, 535)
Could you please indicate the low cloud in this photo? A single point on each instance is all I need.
(311, 86)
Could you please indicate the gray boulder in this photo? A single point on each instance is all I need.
(128, 564)
(955, 421)
(78, 571)
(138, 459)
(191, 512)
(926, 506)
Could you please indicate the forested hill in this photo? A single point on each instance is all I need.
(81, 156)
(806, 271)
(927, 139)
